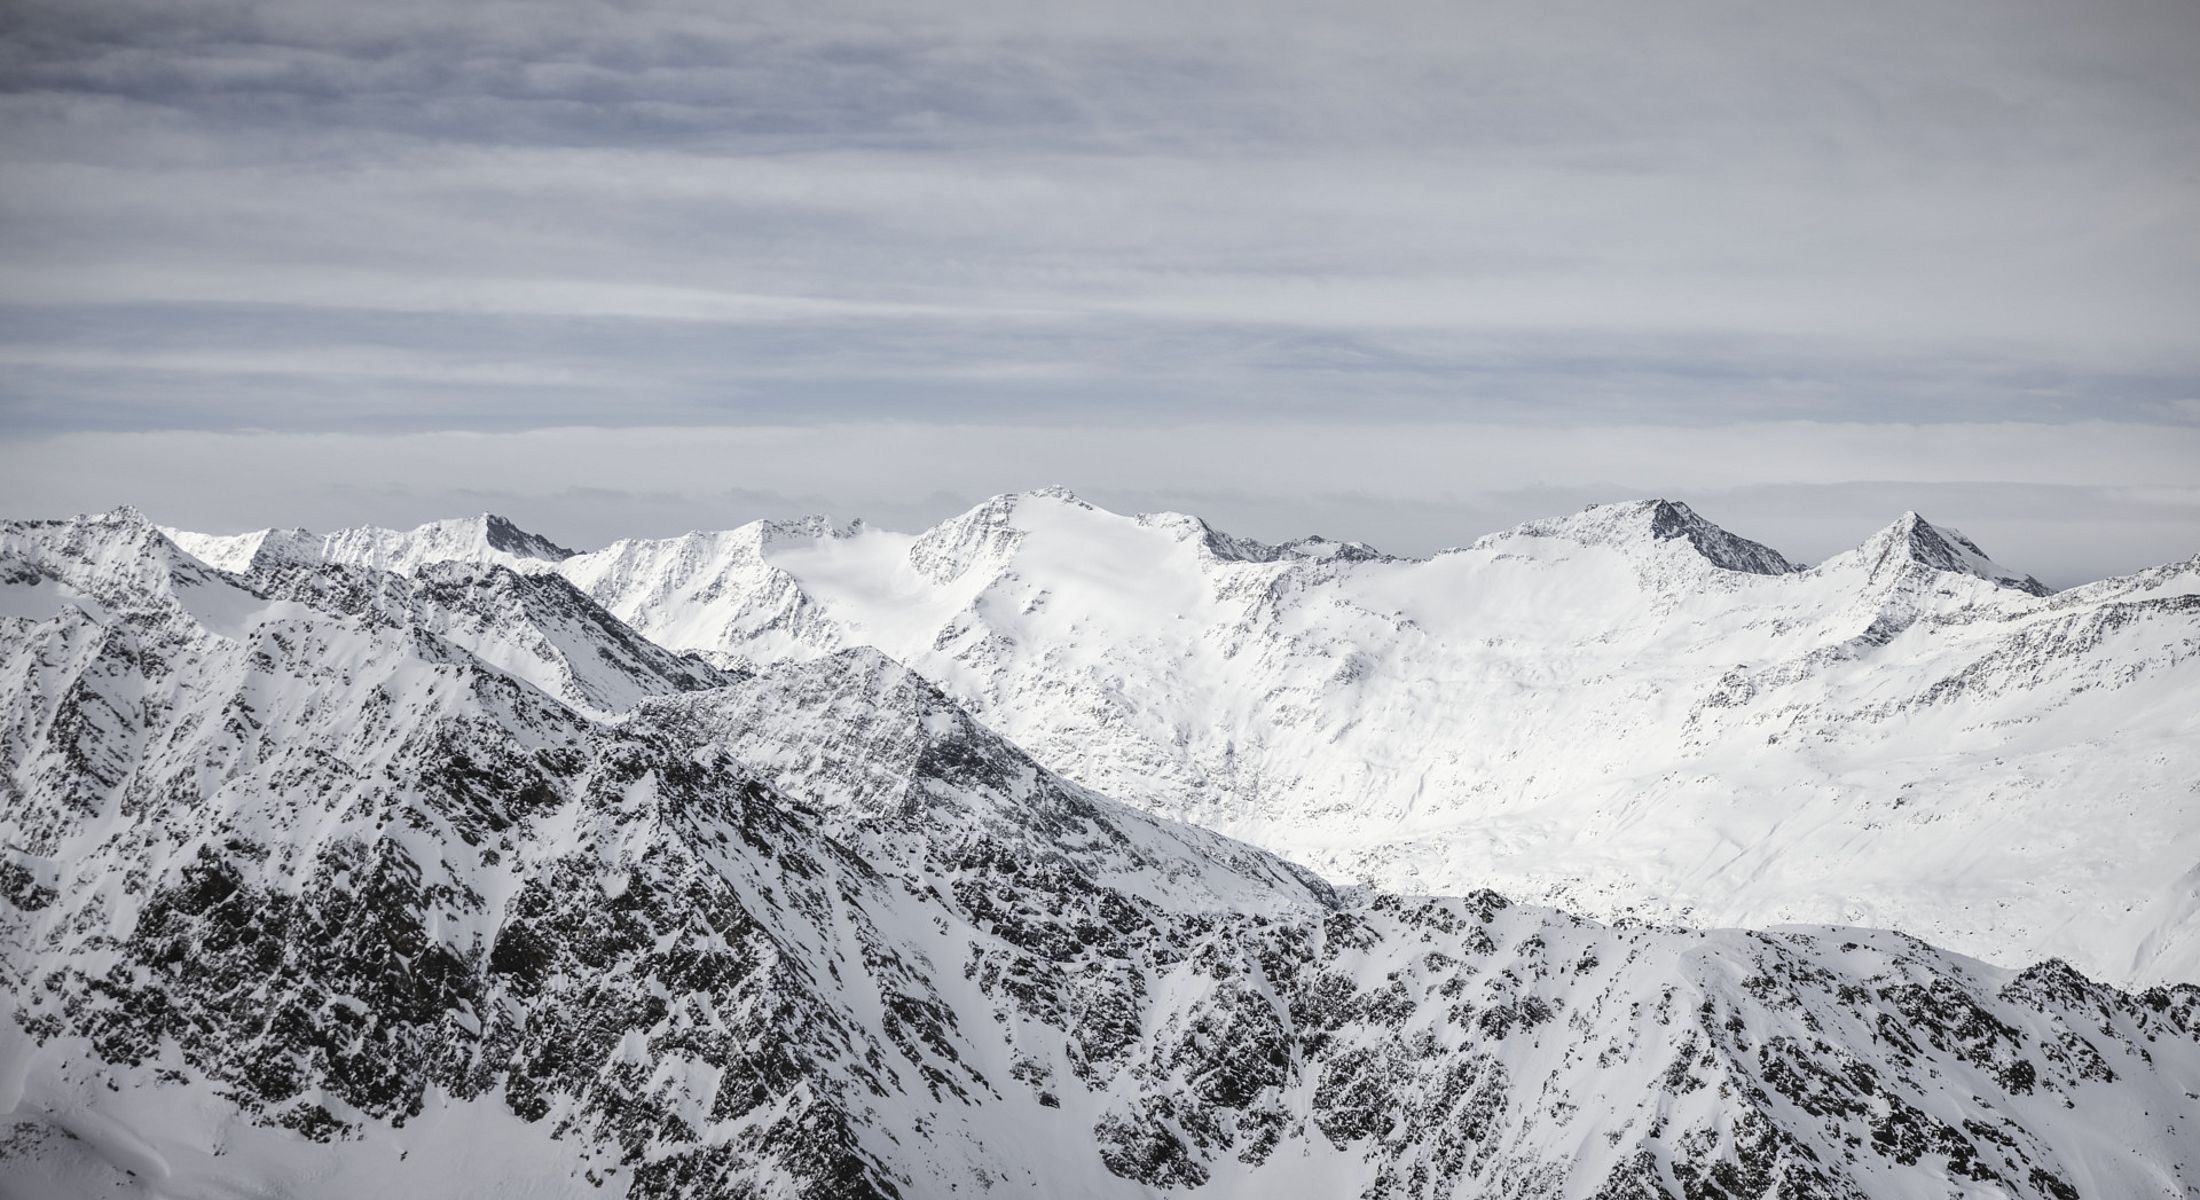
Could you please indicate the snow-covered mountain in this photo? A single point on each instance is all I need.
(534, 626)
(300, 894)
(487, 538)
(1628, 710)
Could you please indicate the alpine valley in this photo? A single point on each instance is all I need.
(1056, 852)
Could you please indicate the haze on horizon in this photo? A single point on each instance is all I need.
(1399, 272)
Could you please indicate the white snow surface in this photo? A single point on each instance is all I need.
(1628, 710)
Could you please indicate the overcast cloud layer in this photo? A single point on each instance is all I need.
(1809, 265)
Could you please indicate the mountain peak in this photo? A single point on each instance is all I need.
(486, 537)
(988, 530)
(1000, 507)
(1912, 538)
(1315, 546)
(1640, 522)
(499, 533)
(242, 553)
(116, 561)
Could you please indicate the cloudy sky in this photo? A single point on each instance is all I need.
(1403, 272)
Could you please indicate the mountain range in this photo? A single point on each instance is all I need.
(1628, 711)
(815, 860)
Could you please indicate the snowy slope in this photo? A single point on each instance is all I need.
(300, 899)
(1627, 710)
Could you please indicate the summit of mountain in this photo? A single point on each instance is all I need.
(1651, 525)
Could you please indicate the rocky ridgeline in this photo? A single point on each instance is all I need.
(290, 848)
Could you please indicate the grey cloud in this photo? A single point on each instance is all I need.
(1959, 178)
(1035, 221)
(270, 367)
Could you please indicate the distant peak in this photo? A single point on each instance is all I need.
(1669, 517)
(501, 534)
(1912, 538)
(987, 531)
(1005, 505)
(453, 538)
(1232, 548)
(1651, 522)
(1315, 546)
(1213, 542)
(125, 514)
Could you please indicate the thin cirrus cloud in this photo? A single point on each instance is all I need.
(403, 219)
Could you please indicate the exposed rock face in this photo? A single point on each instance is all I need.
(296, 884)
(1912, 541)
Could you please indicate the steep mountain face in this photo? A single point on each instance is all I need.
(484, 539)
(536, 627)
(1913, 541)
(712, 587)
(915, 782)
(302, 895)
(1646, 523)
(1628, 711)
